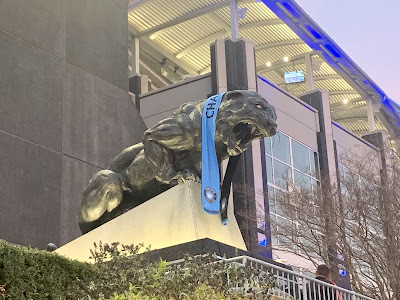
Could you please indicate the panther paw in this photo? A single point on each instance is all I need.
(188, 175)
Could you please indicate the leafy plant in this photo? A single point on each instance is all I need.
(178, 280)
(119, 272)
(27, 273)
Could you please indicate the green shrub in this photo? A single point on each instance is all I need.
(202, 292)
(119, 273)
(186, 280)
(27, 273)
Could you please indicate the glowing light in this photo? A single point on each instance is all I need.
(345, 101)
(286, 59)
(268, 64)
(153, 36)
(263, 243)
(342, 272)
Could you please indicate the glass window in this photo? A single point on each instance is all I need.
(267, 143)
(283, 174)
(314, 164)
(269, 169)
(316, 190)
(340, 171)
(287, 162)
(302, 180)
(301, 159)
(280, 199)
(261, 223)
(271, 198)
(274, 241)
(260, 213)
(280, 147)
(286, 232)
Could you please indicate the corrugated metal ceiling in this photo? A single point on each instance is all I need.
(203, 21)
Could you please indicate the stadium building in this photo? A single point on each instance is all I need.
(329, 111)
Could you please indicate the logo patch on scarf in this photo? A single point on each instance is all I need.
(210, 195)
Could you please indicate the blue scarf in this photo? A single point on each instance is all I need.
(210, 178)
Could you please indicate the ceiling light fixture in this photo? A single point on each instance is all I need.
(286, 59)
(345, 101)
(268, 64)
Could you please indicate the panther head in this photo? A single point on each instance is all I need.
(244, 116)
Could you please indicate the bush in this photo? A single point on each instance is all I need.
(124, 269)
(202, 292)
(119, 273)
(27, 273)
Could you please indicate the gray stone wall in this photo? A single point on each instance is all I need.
(65, 111)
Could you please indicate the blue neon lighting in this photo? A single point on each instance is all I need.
(313, 32)
(332, 50)
(342, 272)
(291, 10)
(263, 243)
(390, 106)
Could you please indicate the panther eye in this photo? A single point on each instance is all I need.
(258, 105)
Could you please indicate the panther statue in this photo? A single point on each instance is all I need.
(170, 153)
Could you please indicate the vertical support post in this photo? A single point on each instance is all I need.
(327, 158)
(218, 67)
(310, 73)
(234, 19)
(138, 85)
(135, 54)
(233, 68)
(370, 114)
(327, 161)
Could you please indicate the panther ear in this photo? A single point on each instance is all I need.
(234, 94)
(241, 94)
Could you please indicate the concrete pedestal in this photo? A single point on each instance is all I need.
(173, 217)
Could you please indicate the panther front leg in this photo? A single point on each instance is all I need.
(160, 143)
(155, 161)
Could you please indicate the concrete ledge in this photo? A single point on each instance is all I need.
(173, 217)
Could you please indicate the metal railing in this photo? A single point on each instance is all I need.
(290, 284)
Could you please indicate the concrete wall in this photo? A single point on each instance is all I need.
(160, 104)
(353, 152)
(65, 111)
(294, 117)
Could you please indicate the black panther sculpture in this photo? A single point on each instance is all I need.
(170, 153)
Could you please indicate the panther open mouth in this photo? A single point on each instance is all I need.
(242, 134)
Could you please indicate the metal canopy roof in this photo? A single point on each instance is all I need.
(175, 39)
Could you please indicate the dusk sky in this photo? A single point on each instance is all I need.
(368, 31)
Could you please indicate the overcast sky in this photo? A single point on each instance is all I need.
(368, 31)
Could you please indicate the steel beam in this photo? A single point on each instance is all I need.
(234, 19)
(293, 59)
(353, 120)
(186, 67)
(278, 44)
(341, 105)
(370, 114)
(222, 33)
(157, 30)
(344, 92)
